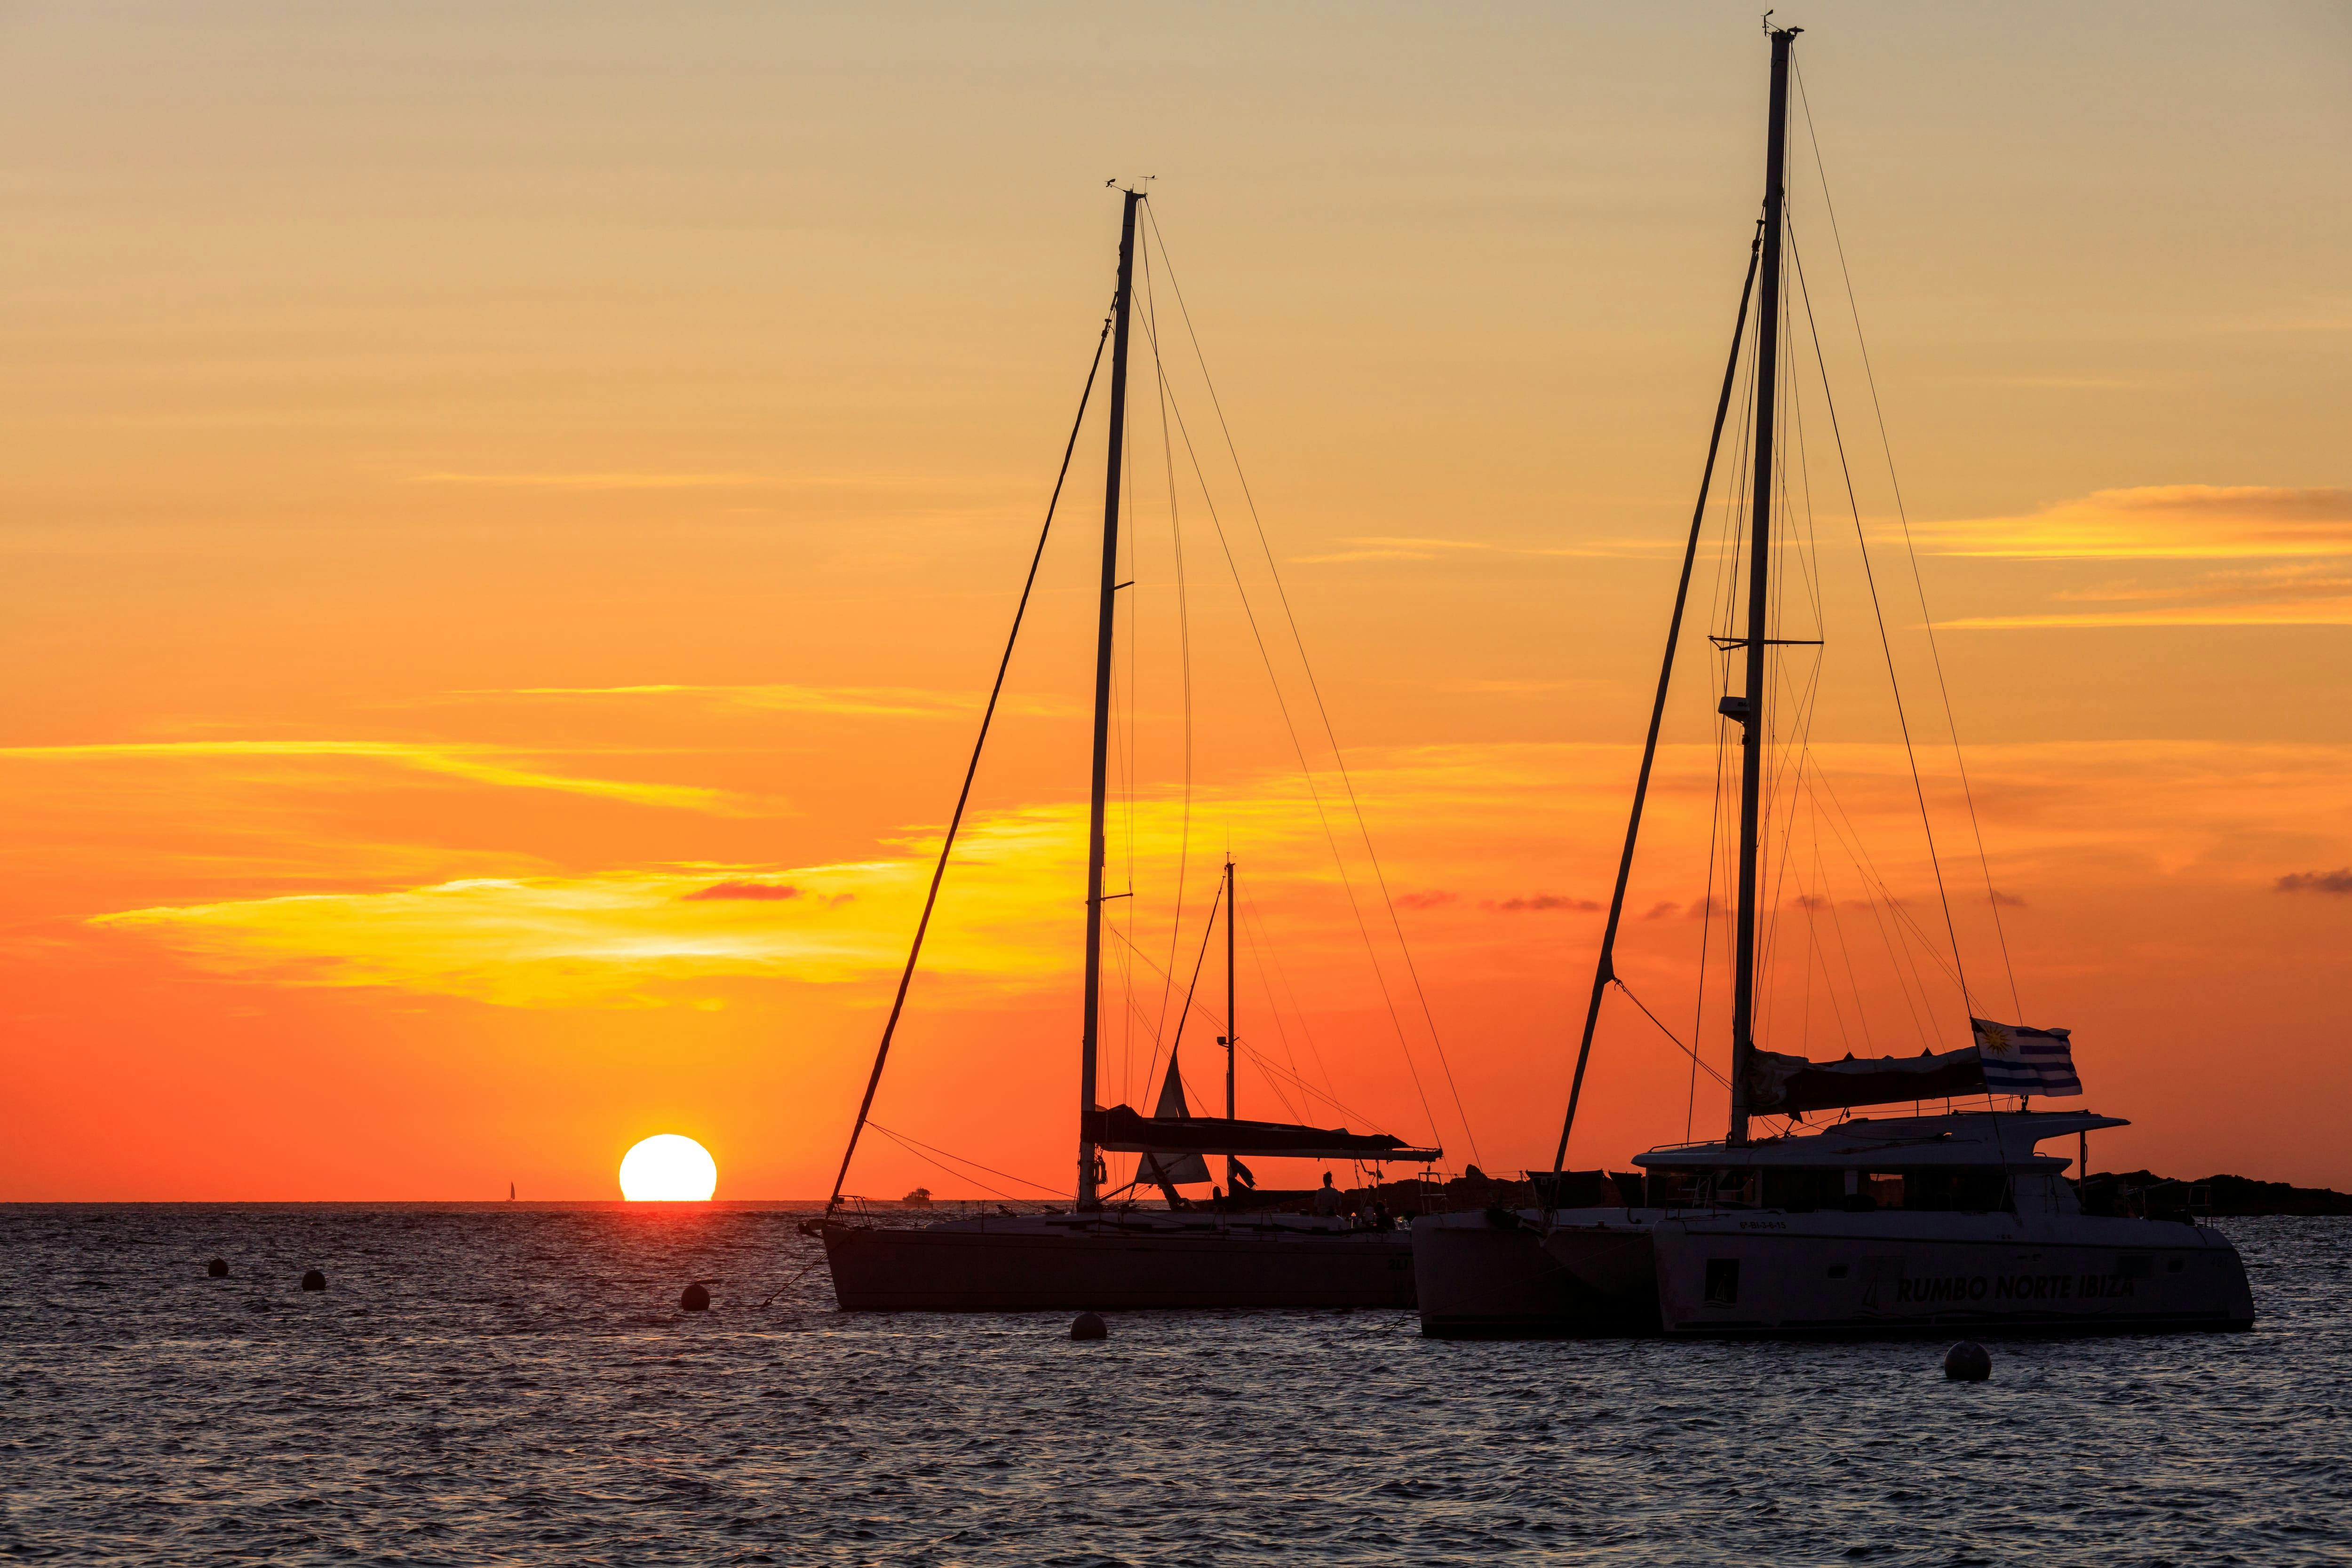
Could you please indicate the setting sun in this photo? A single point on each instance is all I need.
(668, 1167)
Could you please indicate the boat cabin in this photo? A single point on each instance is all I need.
(1977, 1162)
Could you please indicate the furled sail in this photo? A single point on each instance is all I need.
(1785, 1085)
(1120, 1130)
(1164, 1167)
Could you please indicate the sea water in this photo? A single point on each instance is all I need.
(516, 1384)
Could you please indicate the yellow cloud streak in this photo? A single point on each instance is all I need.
(2322, 612)
(475, 764)
(1388, 547)
(1012, 916)
(597, 481)
(2161, 522)
(876, 701)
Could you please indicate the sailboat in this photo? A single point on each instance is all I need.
(1101, 1253)
(1912, 1222)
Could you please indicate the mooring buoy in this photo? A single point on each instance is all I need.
(217, 1268)
(1087, 1325)
(1966, 1362)
(694, 1299)
(311, 1280)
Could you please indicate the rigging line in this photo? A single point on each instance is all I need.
(1663, 1029)
(1146, 960)
(931, 898)
(1846, 949)
(1208, 929)
(1887, 445)
(1184, 653)
(1274, 1071)
(1881, 900)
(1860, 854)
(1314, 688)
(1603, 969)
(1820, 898)
(1281, 1029)
(1216, 1020)
(1806, 704)
(915, 1146)
(1707, 920)
(1314, 795)
(1886, 644)
(1265, 946)
(1903, 959)
(1730, 548)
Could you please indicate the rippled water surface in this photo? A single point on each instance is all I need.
(513, 1384)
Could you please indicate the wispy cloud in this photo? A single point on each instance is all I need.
(752, 891)
(2161, 522)
(2306, 594)
(1542, 902)
(598, 481)
(486, 765)
(868, 702)
(1384, 546)
(533, 938)
(2336, 882)
(705, 480)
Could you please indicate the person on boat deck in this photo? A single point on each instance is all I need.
(1326, 1196)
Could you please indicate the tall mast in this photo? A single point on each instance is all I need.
(1099, 796)
(1748, 709)
(1233, 1024)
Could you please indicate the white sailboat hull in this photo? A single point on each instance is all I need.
(1776, 1273)
(1122, 1262)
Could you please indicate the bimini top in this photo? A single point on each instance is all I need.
(1978, 1140)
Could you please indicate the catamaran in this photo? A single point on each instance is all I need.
(1100, 1252)
(1918, 1222)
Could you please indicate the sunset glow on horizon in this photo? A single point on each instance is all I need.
(500, 613)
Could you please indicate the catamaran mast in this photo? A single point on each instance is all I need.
(1748, 709)
(1233, 1025)
(1100, 797)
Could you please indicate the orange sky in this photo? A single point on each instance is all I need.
(478, 481)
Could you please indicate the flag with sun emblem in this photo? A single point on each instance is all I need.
(2021, 1061)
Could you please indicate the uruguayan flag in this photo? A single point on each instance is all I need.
(2021, 1061)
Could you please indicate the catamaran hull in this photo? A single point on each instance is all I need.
(1789, 1274)
(1030, 1269)
(1499, 1275)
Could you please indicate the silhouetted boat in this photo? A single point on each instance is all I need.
(1099, 1254)
(1922, 1222)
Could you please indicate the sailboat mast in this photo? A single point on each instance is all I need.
(1233, 1024)
(1100, 797)
(1748, 709)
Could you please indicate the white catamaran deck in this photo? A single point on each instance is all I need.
(1893, 1225)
